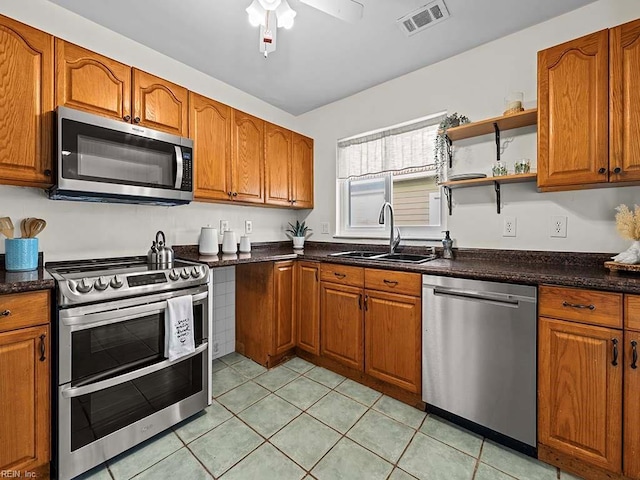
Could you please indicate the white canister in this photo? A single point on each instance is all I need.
(208, 241)
(245, 244)
(229, 244)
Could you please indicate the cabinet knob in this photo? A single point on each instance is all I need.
(617, 170)
(136, 120)
(235, 194)
(126, 118)
(229, 193)
(602, 171)
(6, 313)
(47, 172)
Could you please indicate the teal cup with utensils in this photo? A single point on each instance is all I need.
(21, 254)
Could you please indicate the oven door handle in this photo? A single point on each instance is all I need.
(71, 392)
(91, 320)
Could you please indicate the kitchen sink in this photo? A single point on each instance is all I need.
(356, 254)
(387, 257)
(405, 257)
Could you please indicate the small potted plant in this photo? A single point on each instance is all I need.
(298, 233)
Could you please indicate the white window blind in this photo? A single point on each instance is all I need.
(401, 149)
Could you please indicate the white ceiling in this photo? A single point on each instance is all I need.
(321, 59)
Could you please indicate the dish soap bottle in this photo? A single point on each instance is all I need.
(447, 246)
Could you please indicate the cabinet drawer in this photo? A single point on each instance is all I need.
(580, 305)
(390, 281)
(19, 310)
(632, 312)
(342, 274)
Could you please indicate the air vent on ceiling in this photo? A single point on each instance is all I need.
(424, 17)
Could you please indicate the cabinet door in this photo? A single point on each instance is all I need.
(631, 462)
(24, 398)
(26, 104)
(160, 104)
(210, 130)
(284, 330)
(624, 119)
(88, 81)
(342, 324)
(573, 112)
(278, 165)
(248, 158)
(308, 306)
(393, 341)
(580, 391)
(302, 171)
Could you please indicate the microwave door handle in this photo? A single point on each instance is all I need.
(179, 167)
(71, 392)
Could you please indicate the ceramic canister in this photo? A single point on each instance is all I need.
(245, 244)
(229, 244)
(21, 254)
(208, 241)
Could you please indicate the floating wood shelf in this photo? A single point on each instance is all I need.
(519, 178)
(484, 127)
(475, 182)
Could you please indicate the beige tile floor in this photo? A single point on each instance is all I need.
(300, 421)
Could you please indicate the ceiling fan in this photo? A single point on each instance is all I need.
(273, 14)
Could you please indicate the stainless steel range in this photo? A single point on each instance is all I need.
(115, 388)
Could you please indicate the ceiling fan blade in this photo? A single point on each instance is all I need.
(347, 10)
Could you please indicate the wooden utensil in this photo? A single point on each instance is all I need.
(36, 225)
(23, 227)
(6, 227)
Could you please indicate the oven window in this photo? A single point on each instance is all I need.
(110, 350)
(101, 413)
(108, 156)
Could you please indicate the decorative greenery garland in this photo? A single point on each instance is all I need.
(440, 149)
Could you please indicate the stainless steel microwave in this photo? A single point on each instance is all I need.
(104, 160)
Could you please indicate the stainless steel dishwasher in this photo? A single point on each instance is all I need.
(479, 356)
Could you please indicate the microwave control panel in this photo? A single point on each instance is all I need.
(187, 173)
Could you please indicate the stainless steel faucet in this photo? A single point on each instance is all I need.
(393, 241)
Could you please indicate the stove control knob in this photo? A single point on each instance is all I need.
(101, 284)
(72, 284)
(85, 286)
(195, 273)
(174, 275)
(116, 282)
(185, 273)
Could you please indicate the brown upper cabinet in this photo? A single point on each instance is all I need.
(247, 158)
(289, 168)
(589, 110)
(96, 84)
(26, 104)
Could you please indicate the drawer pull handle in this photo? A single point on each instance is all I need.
(6, 313)
(339, 275)
(614, 362)
(43, 348)
(392, 283)
(634, 346)
(577, 305)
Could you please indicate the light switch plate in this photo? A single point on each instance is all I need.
(324, 226)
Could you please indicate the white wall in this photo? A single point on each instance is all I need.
(475, 83)
(84, 230)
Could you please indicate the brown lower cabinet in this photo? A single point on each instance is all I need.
(265, 311)
(24, 384)
(308, 306)
(631, 424)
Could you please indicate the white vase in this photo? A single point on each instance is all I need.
(630, 256)
(298, 242)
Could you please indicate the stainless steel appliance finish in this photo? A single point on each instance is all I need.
(479, 353)
(115, 388)
(105, 160)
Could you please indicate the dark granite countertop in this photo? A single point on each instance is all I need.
(583, 270)
(16, 282)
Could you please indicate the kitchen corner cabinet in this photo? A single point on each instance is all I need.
(265, 320)
(26, 104)
(24, 383)
(160, 104)
(288, 168)
(308, 306)
(589, 110)
(88, 81)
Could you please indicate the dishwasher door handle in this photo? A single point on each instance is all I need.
(476, 297)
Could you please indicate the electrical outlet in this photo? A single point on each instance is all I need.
(224, 226)
(558, 226)
(248, 227)
(215, 347)
(509, 227)
(325, 227)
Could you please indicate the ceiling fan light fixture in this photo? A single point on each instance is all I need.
(256, 14)
(285, 15)
(269, 4)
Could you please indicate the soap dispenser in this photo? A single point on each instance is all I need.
(447, 246)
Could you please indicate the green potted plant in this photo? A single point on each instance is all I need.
(440, 148)
(298, 233)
